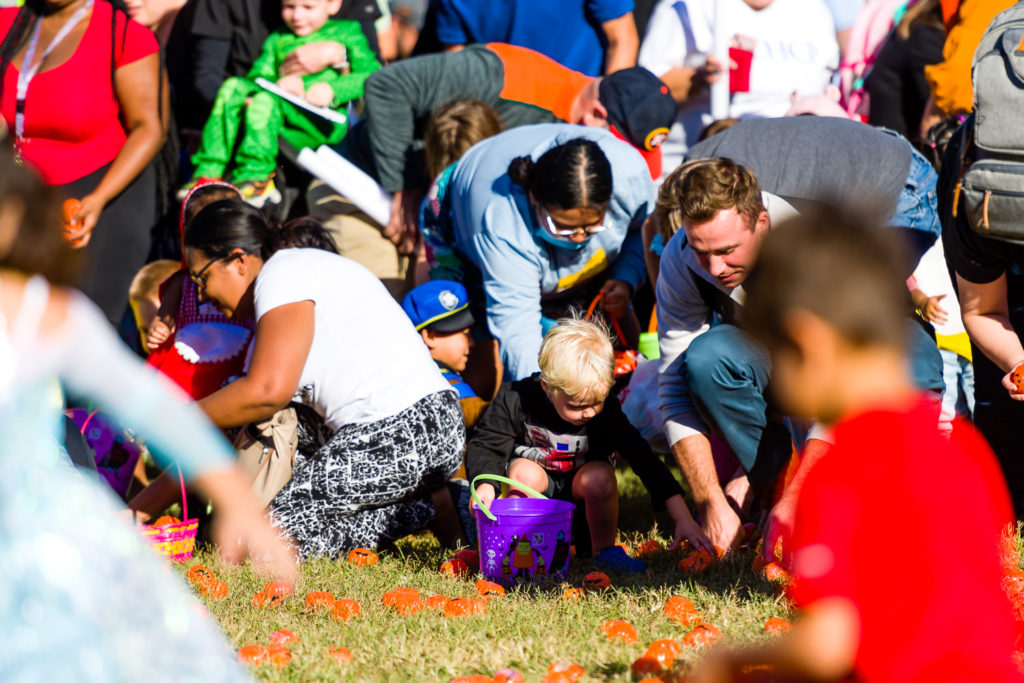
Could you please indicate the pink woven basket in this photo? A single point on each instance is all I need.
(176, 541)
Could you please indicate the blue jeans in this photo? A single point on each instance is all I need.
(729, 373)
(917, 209)
(958, 396)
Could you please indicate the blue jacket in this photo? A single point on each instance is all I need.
(495, 229)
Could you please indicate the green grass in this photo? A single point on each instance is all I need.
(527, 630)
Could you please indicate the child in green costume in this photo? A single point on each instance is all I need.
(243, 108)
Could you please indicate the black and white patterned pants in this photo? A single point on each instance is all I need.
(370, 483)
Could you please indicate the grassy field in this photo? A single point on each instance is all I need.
(527, 630)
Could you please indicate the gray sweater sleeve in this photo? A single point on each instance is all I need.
(401, 96)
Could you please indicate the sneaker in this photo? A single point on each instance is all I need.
(259, 193)
(459, 488)
(618, 560)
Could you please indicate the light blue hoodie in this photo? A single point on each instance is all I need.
(497, 229)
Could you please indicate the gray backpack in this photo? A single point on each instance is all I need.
(993, 184)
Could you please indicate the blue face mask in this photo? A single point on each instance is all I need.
(560, 242)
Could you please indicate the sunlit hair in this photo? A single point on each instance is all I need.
(577, 359)
(696, 191)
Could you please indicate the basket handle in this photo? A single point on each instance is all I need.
(615, 321)
(505, 480)
(184, 498)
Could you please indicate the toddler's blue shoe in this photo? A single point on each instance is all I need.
(616, 559)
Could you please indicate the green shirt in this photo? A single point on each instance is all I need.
(283, 42)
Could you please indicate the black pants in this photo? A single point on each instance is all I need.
(120, 240)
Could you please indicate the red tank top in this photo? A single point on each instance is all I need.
(65, 148)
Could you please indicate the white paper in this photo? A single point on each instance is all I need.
(720, 88)
(323, 112)
(349, 181)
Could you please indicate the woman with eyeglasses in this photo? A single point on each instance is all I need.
(373, 466)
(535, 220)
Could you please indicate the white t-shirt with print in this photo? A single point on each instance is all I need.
(367, 362)
(795, 49)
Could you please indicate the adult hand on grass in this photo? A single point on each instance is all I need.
(721, 524)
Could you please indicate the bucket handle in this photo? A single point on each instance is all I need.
(504, 480)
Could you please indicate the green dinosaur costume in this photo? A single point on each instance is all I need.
(268, 116)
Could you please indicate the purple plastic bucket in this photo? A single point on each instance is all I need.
(529, 539)
(116, 454)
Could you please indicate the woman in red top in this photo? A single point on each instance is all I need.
(80, 91)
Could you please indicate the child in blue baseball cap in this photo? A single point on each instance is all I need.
(439, 310)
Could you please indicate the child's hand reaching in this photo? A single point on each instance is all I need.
(933, 311)
(486, 494)
(320, 95)
(159, 332)
(292, 84)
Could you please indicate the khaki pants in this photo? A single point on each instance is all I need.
(359, 238)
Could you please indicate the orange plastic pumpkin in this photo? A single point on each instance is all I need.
(777, 626)
(665, 651)
(619, 630)
(472, 678)
(70, 209)
(281, 588)
(253, 655)
(649, 549)
(464, 607)
(346, 608)
(214, 588)
(435, 602)
(362, 557)
(647, 666)
(570, 670)
(697, 561)
(166, 520)
(702, 635)
(681, 610)
(773, 571)
(405, 601)
(279, 656)
(339, 654)
(283, 636)
(573, 594)
(507, 675)
(319, 600)
(265, 599)
(1018, 378)
(596, 580)
(199, 574)
(489, 589)
(454, 567)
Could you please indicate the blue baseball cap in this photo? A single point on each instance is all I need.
(439, 305)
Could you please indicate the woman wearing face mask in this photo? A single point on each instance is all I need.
(532, 221)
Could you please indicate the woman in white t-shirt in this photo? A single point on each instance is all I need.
(330, 337)
(793, 42)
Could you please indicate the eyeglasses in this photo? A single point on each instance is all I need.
(587, 230)
(198, 278)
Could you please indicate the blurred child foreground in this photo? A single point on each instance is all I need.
(897, 581)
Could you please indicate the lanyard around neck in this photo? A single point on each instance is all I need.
(30, 65)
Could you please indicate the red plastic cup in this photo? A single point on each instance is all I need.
(739, 75)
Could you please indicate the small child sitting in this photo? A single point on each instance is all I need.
(243, 108)
(882, 597)
(439, 311)
(557, 433)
